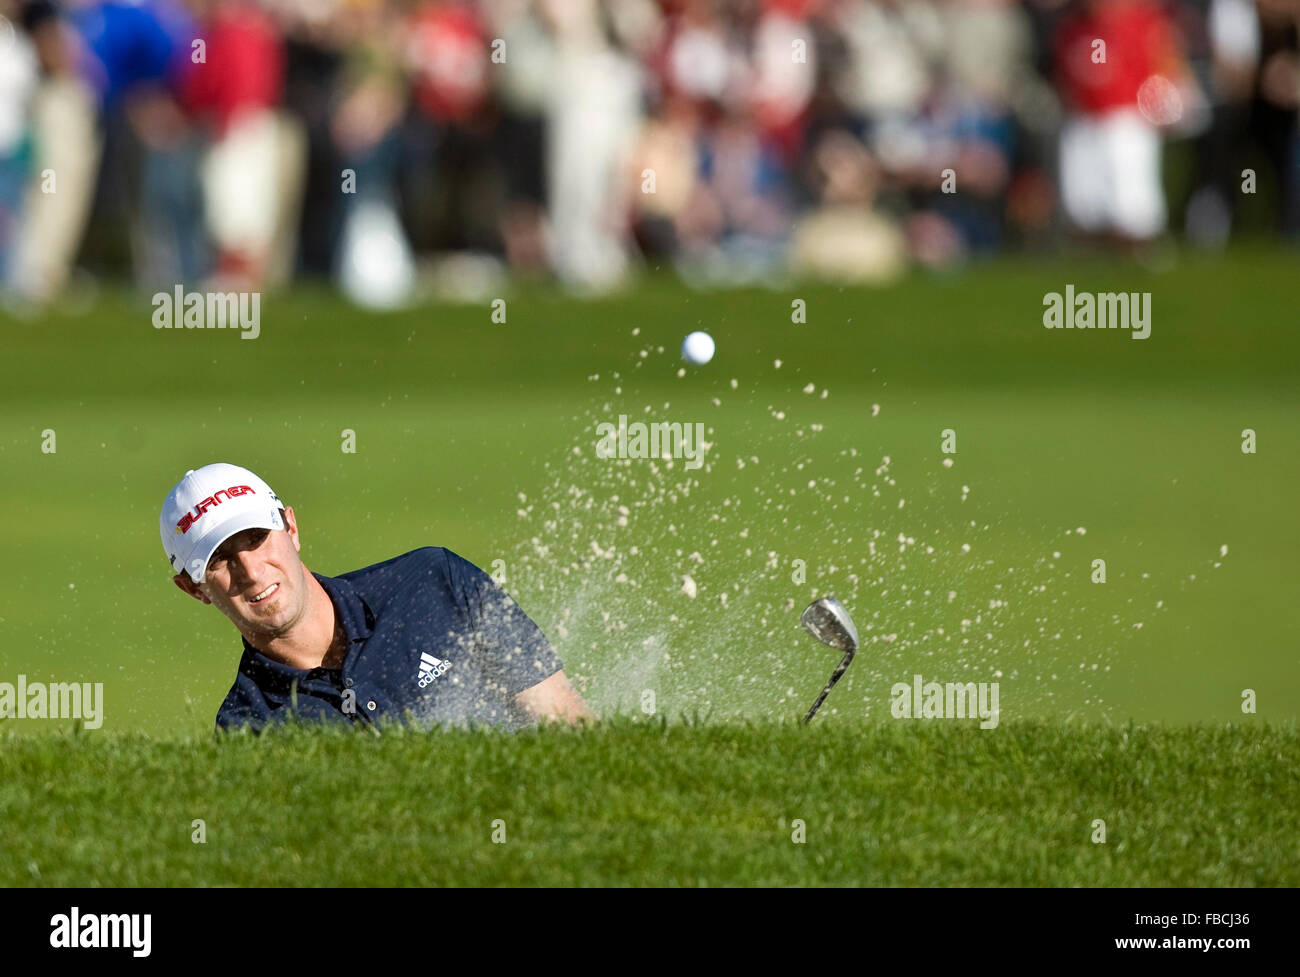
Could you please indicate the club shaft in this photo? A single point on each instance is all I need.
(835, 677)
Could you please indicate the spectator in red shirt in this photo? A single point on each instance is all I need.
(243, 66)
(252, 172)
(1118, 69)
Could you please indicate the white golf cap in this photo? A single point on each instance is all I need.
(207, 507)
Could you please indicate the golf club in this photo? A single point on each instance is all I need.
(827, 621)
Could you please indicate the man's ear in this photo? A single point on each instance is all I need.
(183, 581)
(291, 527)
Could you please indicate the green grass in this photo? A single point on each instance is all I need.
(654, 803)
(455, 418)
(480, 437)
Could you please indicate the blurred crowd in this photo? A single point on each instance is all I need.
(386, 143)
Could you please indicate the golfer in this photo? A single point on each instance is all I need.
(426, 638)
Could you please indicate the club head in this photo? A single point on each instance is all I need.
(827, 621)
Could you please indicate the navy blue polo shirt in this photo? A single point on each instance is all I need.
(432, 639)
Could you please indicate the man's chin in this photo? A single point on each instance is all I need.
(274, 622)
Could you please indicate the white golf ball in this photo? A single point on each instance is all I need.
(697, 348)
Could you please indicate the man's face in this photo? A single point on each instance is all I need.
(256, 579)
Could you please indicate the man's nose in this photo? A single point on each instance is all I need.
(244, 564)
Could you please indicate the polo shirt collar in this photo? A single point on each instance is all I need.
(358, 619)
